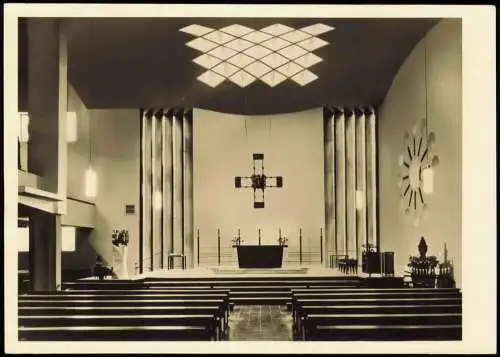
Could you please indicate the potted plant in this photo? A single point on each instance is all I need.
(120, 240)
(423, 267)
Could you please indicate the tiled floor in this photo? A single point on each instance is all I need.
(260, 323)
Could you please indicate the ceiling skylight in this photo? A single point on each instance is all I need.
(243, 55)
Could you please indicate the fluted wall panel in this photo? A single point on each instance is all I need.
(166, 203)
(350, 181)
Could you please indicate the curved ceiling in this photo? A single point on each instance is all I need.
(144, 62)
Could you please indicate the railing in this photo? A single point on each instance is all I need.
(224, 253)
(227, 256)
(147, 267)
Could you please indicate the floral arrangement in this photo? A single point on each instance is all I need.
(236, 240)
(120, 237)
(423, 263)
(282, 240)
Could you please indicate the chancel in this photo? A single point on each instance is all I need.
(140, 130)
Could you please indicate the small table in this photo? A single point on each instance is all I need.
(172, 256)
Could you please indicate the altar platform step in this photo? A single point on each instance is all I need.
(257, 271)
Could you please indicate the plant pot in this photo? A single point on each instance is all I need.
(120, 261)
(423, 280)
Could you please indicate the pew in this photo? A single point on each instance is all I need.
(313, 308)
(115, 333)
(120, 302)
(207, 321)
(141, 307)
(354, 295)
(140, 291)
(305, 308)
(128, 307)
(387, 333)
(312, 321)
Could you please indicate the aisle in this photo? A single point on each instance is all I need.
(260, 323)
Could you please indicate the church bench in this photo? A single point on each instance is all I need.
(219, 307)
(309, 323)
(299, 302)
(115, 333)
(380, 291)
(146, 291)
(305, 310)
(386, 333)
(369, 295)
(207, 321)
(372, 295)
(128, 295)
(375, 290)
(79, 301)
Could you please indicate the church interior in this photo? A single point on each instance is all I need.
(239, 179)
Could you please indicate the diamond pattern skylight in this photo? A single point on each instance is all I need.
(244, 55)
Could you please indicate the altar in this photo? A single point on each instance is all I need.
(260, 256)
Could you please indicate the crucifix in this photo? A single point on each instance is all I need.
(258, 181)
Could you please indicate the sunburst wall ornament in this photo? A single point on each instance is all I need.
(244, 55)
(417, 165)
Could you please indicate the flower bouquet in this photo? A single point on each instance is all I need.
(236, 241)
(282, 241)
(120, 237)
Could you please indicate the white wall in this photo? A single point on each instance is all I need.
(115, 158)
(404, 105)
(79, 214)
(293, 148)
(78, 152)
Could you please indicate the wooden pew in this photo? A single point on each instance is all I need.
(115, 333)
(387, 333)
(120, 302)
(207, 321)
(136, 291)
(313, 321)
(385, 301)
(129, 295)
(369, 295)
(384, 290)
(374, 307)
(128, 307)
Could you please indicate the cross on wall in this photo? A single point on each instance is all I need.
(258, 181)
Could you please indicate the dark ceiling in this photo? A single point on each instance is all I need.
(144, 62)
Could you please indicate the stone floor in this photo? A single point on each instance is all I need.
(260, 323)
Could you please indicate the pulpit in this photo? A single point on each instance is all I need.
(375, 262)
(260, 256)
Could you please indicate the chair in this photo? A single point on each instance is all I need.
(171, 258)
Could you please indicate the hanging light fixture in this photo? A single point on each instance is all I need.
(90, 174)
(157, 200)
(71, 127)
(360, 200)
(24, 121)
